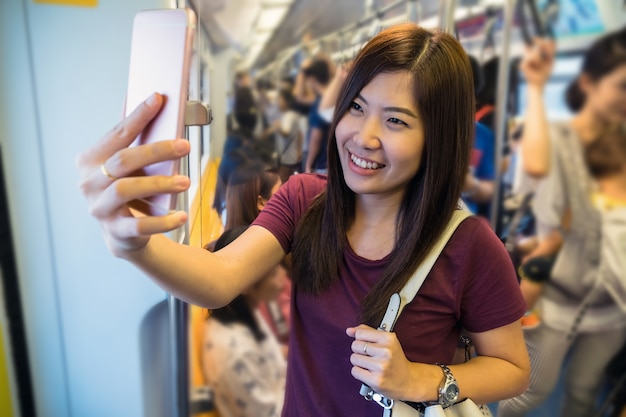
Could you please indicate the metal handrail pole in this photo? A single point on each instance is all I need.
(501, 107)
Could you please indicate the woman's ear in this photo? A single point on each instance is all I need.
(585, 83)
(260, 203)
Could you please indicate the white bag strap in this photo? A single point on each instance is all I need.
(407, 294)
(398, 301)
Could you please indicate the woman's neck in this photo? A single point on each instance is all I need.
(588, 125)
(373, 232)
(614, 186)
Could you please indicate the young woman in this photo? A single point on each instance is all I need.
(579, 311)
(242, 361)
(398, 156)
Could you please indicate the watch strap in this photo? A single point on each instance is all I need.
(447, 381)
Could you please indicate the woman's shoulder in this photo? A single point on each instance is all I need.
(306, 186)
(475, 243)
(562, 132)
(474, 229)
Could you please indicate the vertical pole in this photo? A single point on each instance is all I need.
(446, 16)
(501, 106)
(178, 312)
(179, 321)
(412, 11)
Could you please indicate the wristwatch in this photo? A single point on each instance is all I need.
(448, 389)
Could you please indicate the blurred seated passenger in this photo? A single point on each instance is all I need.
(243, 363)
(249, 189)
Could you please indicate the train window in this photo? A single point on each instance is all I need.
(566, 68)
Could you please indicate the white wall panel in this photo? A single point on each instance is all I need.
(62, 86)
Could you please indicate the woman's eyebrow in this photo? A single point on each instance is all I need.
(403, 110)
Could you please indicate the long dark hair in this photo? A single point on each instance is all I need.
(606, 155)
(603, 57)
(238, 310)
(444, 94)
(246, 184)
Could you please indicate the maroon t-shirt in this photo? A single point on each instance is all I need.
(472, 285)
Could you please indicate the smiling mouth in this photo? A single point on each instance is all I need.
(362, 163)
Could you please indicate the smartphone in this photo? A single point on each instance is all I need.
(160, 57)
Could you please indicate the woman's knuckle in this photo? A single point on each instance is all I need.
(83, 186)
(117, 190)
(92, 211)
(121, 130)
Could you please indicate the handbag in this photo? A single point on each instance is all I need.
(397, 302)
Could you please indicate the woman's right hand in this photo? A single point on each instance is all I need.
(538, 60)
(108, 183)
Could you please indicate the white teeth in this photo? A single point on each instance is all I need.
(365, 164)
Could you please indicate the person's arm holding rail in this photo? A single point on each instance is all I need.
(535, 144)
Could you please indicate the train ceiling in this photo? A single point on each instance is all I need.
(261, 29)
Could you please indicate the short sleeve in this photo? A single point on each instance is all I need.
(289, 121)
(285, 209)
(491, 296)
(550, 199)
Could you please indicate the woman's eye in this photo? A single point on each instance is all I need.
(355, 106)
(397, 121)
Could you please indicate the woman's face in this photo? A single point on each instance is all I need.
(261, 202)
(380, 139)
(607, 96)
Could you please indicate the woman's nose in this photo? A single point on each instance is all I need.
(368, 134)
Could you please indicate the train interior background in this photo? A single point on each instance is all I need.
(81, 332)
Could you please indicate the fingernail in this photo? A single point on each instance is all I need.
(180, 145)
(152, 100)
(181, 180)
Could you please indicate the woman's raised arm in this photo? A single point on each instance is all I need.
(192, 274)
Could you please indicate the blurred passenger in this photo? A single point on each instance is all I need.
(237, 151)
(289, 137)
(243, 362)
(249, 189)
(245, 114)
(487, 92)
(266, 93)
(479, 185)
(326, 108)
(316, 75)
(582, 306)
(487, 98)
(244, 142)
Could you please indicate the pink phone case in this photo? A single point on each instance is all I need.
(161, 48)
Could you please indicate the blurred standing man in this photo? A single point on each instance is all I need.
(314, 76)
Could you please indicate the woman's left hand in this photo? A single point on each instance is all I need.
(379, 361)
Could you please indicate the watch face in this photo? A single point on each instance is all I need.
(452, 393)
